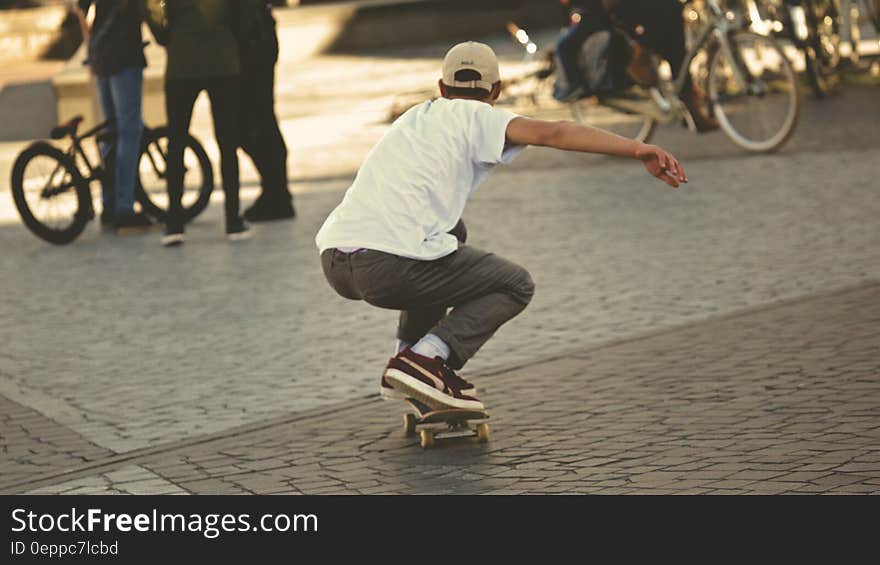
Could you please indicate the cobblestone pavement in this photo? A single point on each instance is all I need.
(773, 400)
(120, 346)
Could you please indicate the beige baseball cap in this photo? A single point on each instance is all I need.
(473, 56)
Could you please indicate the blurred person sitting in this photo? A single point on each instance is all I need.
(261, 137)
(656, 25)
(201, 39)
(116, 58)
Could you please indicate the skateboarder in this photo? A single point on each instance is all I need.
(388, 244)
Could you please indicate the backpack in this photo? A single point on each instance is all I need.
(603, 61)
(258, 40)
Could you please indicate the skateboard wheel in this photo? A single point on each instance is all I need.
(427, 437)
(483, 432)
(409, 424)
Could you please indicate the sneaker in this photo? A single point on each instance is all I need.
(132, 223)
(388, 392)
(239, 231)
(567, 95)
(262, 211)
(173, 236)
(430, 381)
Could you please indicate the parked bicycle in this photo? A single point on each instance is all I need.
(826, 33)
(52, 188)
(752, 88)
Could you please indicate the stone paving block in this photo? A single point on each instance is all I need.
(631, 450)
(753, 475)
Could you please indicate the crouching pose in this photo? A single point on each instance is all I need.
(396, 241)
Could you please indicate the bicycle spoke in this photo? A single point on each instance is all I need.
(49, 192)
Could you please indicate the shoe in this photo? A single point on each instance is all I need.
(106, 219)
(567, 95)
(239, 231)
(173, 236)
(429, 381)
(694, 101)
(388, 392)
(134, 222)
(265, 212)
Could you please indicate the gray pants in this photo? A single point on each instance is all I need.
(483, 290)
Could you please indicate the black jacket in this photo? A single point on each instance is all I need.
(115, 41)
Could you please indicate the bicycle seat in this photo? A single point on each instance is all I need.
(67, 128)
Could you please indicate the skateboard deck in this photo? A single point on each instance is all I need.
(432, 424)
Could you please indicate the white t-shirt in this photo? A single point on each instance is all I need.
(413, 186)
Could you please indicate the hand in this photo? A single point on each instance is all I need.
(661, 165)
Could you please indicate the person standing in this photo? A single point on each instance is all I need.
(202, 46)
(261, 137)
(116, 57)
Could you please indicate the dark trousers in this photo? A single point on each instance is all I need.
(661, 24)
(261, 137)
(659, 21)
(593, 18)
(482, 290)
(225, 96)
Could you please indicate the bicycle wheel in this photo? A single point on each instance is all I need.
(51, 195)
(591, 112)
(152, 189)
(754, 92)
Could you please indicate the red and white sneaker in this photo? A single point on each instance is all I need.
(430, 381)
(388, 392)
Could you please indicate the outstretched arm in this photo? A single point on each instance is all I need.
(570, 136)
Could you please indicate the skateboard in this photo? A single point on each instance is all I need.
(433, 424)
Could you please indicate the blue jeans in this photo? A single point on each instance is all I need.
(121, 96)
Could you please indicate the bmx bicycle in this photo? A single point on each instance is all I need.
(752, 88)
(52, 188)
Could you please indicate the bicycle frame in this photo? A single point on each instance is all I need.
(103, 133)
(76, 149)
(718, 28)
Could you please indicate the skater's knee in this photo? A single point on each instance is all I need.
(523, 286)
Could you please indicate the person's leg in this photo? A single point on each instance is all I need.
(126, 88)
(180, 96)
(663, 32)
(263, 142)
(483, 290)
(568, 46)
(105, 95)
(415, 323)
(224, 93)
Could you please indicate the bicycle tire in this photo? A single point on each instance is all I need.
(640, 129)
(724, 109)
(150, 205)
(79, 217)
